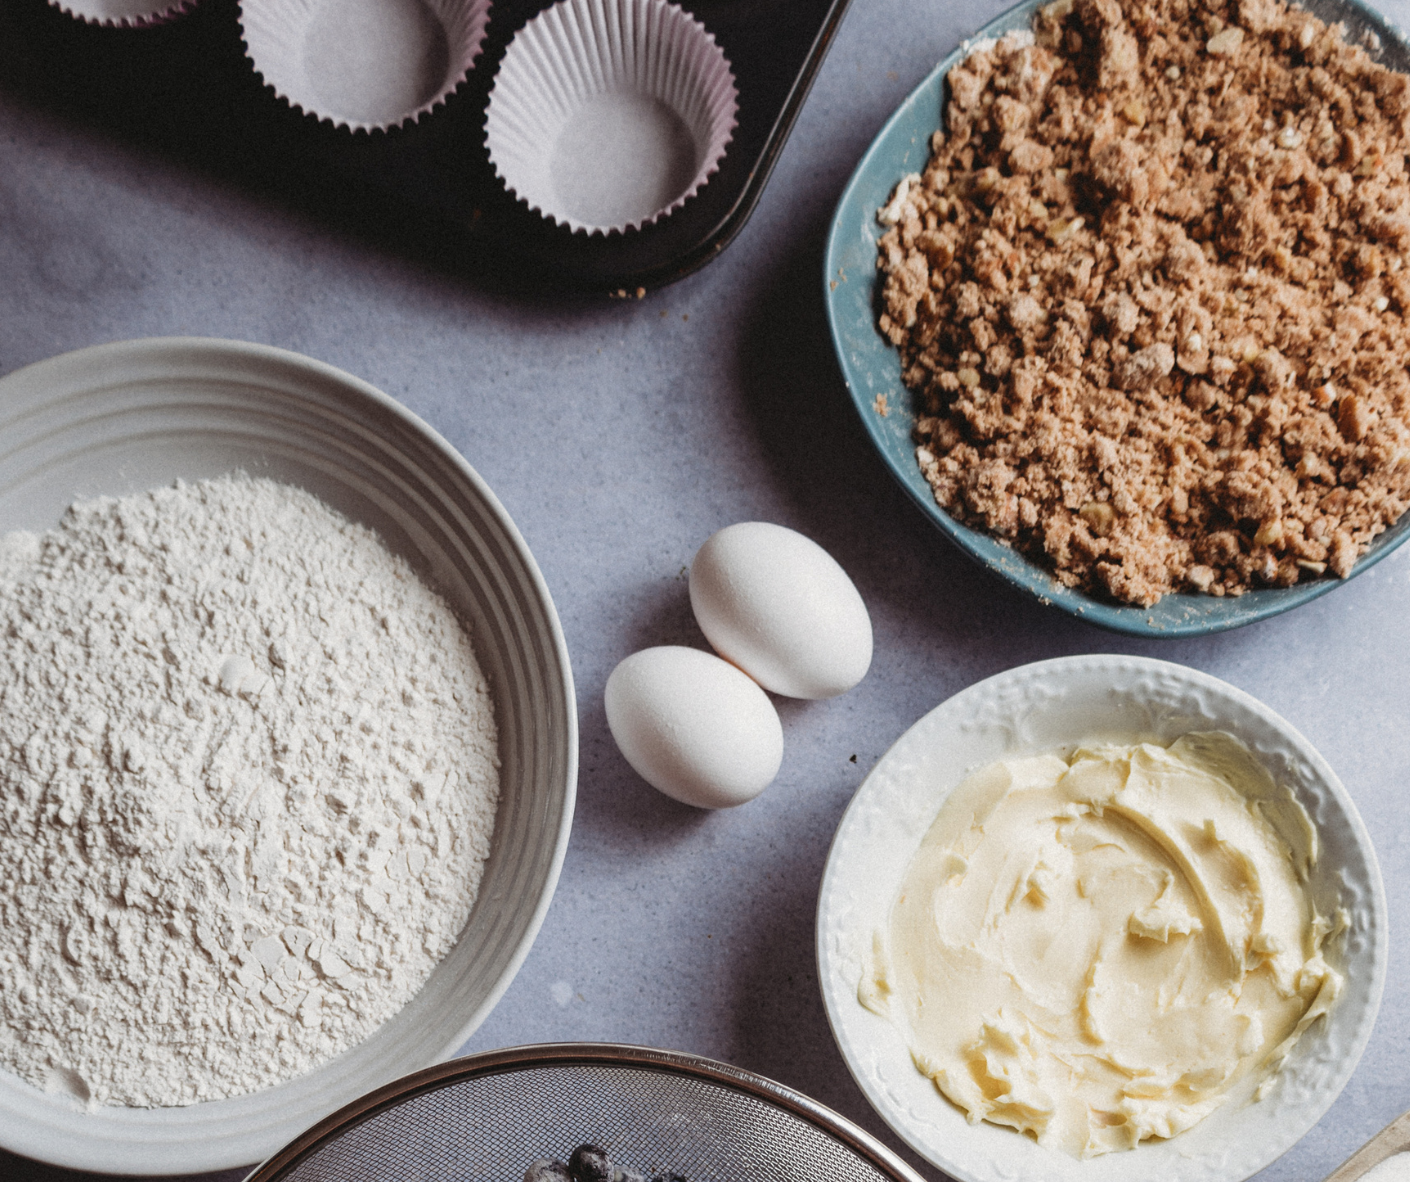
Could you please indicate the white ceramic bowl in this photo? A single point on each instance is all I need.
(134, 415)
(1046, 706)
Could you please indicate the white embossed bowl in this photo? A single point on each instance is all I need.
(134, 415)
(1042, 707)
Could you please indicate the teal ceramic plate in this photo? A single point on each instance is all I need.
(871, 366)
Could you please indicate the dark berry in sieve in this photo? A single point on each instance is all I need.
(545, 1170)
(590, 1163)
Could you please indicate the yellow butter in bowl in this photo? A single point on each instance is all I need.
(1095, 948)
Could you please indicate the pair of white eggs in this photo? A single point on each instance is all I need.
(784, 616)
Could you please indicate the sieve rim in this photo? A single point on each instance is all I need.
(575, 1054)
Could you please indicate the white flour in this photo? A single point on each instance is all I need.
(248, 778)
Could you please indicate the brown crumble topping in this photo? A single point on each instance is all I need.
(1151, 292)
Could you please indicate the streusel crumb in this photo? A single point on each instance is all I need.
(1151, 292)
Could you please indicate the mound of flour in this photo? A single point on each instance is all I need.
(248, 778)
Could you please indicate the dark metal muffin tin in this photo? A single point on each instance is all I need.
(186, 90)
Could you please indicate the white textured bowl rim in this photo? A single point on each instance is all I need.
(1041, 706)
(215, 1140)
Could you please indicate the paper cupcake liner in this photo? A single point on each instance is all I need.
(363, 64)
(131, 14)
(609, 114)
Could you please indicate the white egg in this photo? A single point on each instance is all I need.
(776, 604)
(694, 726)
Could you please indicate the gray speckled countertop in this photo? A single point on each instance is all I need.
(619, 436)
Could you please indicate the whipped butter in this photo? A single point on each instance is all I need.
(1095, 949)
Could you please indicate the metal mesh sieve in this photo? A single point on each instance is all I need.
(486, 1117)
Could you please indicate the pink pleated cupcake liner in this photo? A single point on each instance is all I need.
(607, 115)
(365, 65)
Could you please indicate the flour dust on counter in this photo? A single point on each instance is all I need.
(248, 780)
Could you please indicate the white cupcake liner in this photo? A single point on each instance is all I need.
(365, 65)
(131, 14)
(609, 114)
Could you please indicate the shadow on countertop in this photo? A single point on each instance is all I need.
(847, 500)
